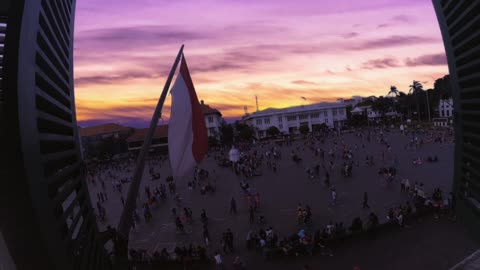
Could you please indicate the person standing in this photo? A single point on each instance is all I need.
(218, 260)
(252, 215)
(206, 235)
(233, 206)
(365, 201)
(334, 196)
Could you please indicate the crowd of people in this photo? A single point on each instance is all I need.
(253, 160)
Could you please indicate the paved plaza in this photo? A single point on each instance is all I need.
(281, 191)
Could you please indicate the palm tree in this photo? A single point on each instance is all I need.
(393, 92)
(414, 89)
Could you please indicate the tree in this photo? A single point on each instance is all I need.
(415, 89)
(244, 132)
(226, 134)
(212, 141)
(304, 129)
(273, 131)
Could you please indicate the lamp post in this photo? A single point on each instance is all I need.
(428, 107)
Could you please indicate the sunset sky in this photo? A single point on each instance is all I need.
(278, 50)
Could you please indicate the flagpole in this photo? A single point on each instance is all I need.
(126, 219)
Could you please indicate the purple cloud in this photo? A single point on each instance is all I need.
(383, 25)
(394, 41)
(403, 18)
(350, 35)
(143, 34)
(381, 63)
(111, 79)
(438, 59)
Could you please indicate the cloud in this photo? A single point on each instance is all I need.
(350, 35)
(403, 18)
(134, 36)
(393, 41)
(303, 82)
(387, 62)
(396, 20)
(424, 60)
(113, 79)
(438, 59)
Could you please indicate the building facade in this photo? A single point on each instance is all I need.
(101, 139)
(289, 120)
(159, 139)
(213, 120)
(459, 22)
(445, 108)
(46, 218)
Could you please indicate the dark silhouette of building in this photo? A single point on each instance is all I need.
(159, 139)
(104, 140)
(460, 26)
(46, 219)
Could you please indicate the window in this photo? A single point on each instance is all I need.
(291, 118)
(325, 113)
(303, 116)
(210, 119)
(266, 121)
(326, 120)
(447, 113)
(280, 119)
(280, 126)
(259, 122)
(314, 115)
(341, 112)
(334, 112)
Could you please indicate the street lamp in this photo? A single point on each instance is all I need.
(428, 107)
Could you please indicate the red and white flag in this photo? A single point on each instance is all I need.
(187, 133)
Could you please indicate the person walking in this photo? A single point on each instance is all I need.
(365, 201)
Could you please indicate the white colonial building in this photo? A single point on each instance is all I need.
(289, 120)
(213, 120)
(445, 111)
(445, 108)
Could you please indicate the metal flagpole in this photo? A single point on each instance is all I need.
(126, 219)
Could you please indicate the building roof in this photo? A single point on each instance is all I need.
(357, 109)
(296, 109)
(102, 129)
(140, 134)
(208, 110)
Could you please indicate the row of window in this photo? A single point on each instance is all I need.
(445, 113)
(280, 126)
(305, 116)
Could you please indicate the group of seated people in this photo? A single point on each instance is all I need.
(183, 255)
(296, 158)
(389, 173)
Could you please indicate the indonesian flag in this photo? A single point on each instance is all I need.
(187, 133)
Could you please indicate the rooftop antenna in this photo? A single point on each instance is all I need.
(256, 100)
(245, 109)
